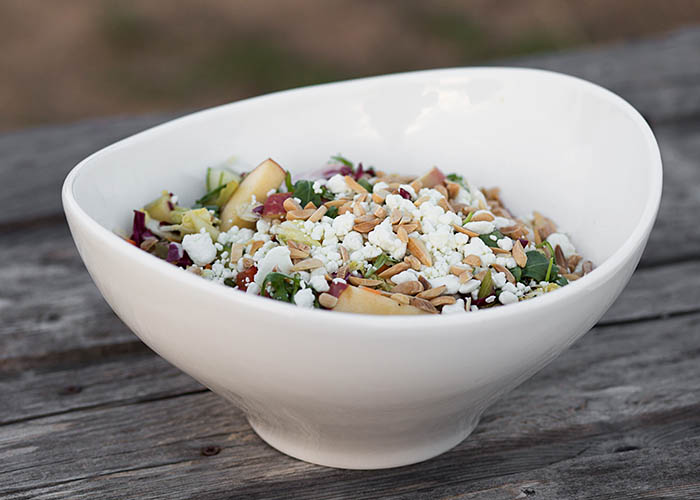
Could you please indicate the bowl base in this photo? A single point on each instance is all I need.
(330, 453)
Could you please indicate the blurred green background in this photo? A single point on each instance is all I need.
(72, 59)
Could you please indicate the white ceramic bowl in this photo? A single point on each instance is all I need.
(359, 391)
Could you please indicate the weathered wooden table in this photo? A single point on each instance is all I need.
(87, 411)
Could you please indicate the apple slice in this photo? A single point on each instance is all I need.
(266, 176)
(432, 178)
(366, 301)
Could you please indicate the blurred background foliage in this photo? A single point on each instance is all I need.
(72, 59)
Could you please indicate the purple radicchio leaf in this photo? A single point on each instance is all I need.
(139, 231)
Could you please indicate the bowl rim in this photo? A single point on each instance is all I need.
(387, 324)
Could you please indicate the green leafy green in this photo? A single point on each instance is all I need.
(209, 196)
(327, 194)
(281, 287)
(304, 190)
(517, 273)
(486, 238)
(332, 212)
(486, 287)
(365, 184)
(341, 159)
(547, 244)
(380, 261)
(230, 282)
(458, 179)
(469, 217)
(549, 269)
(561, 281)
(288, 181)
(538, 266)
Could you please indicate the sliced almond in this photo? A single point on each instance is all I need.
(481, 275)
(318, 213)
(416, 185)
(344, 253)
(409, 228)
(445, 205)
(378, 197)
(417, 248)
(369, 283)
(571, 276)
(482, 216)
(346, 207)
(309, 206)
(413, 262)
(334, 203)
(247, 262)
(500, 251)
(441, 189)
(464, 230)
(354, 185)
(560, 259)
(362, 198)
(573, 261)
(421, 200)
(452, 189)
(472, 260)
(358, 210)
(300, 214)
(424, 305)
(400, 298)
(432, 293)
(296, 254)
(504, 270)
(342, 271)
(393, 270)
(366, 227)
(365, 218)
(396, 216)
(402, 234)
(457, 270)
(307, 265)
(445, 300)
(519, 254)
(255, 246)
(587, 267)
(408, 287)
(327, 300)
(379, 212)
(291, 204)
(236, 252)
(426, 284)
(465, 276)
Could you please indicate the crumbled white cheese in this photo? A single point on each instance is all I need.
(499, 279)
(457, 307)
(398, 202)
(318, 281)
(200, 248)
(338, 185)
(409, 189)
(402, 277)
(507, 297)
(304, 298)
(384, 237)
(353, 241)
(277, 257)
(450, 281)
(481, 226)
(563, 241)
(469, 287)
(343, 224)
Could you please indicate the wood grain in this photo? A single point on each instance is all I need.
(588, 411)
(87, 411)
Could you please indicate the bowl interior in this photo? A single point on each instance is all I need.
(552, 143)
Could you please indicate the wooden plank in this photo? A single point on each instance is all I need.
(42, 324)
(614, 398)
(35, 162)
(660, 76)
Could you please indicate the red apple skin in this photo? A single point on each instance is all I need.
(432, 178)
(274, 205)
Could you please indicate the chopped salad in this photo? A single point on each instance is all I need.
(360, 240)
